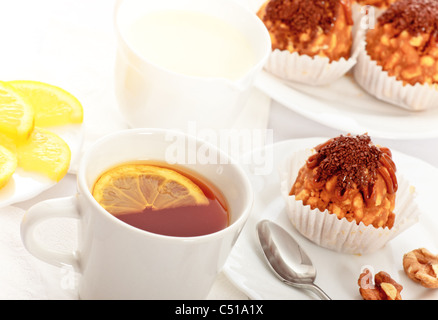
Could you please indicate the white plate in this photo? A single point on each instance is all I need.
(25, 185)
(337, 273)
(344, 105)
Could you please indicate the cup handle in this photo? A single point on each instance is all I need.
(56, 208)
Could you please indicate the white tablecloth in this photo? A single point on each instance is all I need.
(70, 43)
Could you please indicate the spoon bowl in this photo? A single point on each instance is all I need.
(286, 258)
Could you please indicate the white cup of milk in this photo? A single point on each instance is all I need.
(181, 61)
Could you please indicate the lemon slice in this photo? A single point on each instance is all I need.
(133, 188)
(8, 142)
(46, 153)
(53, 106)
(8, 164)
(16, 114)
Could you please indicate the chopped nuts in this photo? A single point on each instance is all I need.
(422, 266)
(383, 288)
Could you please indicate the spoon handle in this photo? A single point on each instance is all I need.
(319, 292)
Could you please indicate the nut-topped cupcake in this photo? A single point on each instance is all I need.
(403, 47)
(405, 41)
(351, 178)
(345, 194)
(310, 29)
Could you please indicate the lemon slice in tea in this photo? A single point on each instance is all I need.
(132, 188)
(45, 153)
(17, 116)
(8, 164)
(53, 106)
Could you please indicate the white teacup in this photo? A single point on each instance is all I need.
(150, 95)
(118, 261)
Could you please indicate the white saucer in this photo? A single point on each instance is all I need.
(344, 105)
(337, 273)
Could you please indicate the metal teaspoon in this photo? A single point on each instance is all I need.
(286, 258)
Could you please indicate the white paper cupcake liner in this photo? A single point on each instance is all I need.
(310, 70)
(326, 230)
(371, 77)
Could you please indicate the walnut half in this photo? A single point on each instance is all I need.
(382, 288)
(422, 266)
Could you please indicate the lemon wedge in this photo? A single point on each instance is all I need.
(132, 188)
(8, 164)
(17, 115)
(53, 106)
(46, 153)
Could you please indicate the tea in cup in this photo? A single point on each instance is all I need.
(122, 252)
(163, 199)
